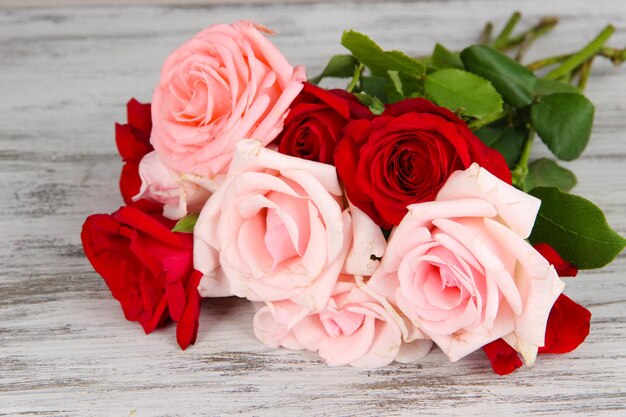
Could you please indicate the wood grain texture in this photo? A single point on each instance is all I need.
(65, 348)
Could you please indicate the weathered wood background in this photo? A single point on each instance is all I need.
(65, 348)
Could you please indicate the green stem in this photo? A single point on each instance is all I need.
(494, 117)
(520, 171)
(585, 70)
(544, 26)
(355, 78)
(485, 36)
(583, 55)
(546, 62)
(503, 37)
(616, 55)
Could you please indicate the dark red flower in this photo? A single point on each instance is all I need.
(568, 326)
(405, 156)
(563, 268)
(148, 268)
(315, 122)
(133, 142)
(504, 359)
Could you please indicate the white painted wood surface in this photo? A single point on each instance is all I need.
(65, 348)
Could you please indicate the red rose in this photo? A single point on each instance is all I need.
(315, 122)
(148, 268)
(133, 142)
(568, 323)
(405, 156)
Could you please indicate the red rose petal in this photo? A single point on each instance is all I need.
(504, 359)
(568, 326)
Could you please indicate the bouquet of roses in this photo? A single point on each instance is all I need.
(365, 223)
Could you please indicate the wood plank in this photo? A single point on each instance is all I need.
(65, 348)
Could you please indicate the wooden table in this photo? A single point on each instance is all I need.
(65, 348)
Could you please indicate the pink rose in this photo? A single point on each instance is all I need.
(459, 268)
(227, 83)
(280, 229)
(353, 328)
(177, 192)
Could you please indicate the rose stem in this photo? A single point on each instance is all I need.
(585, 70)
(520, 171)
(583, 55)
(546, 62)
(355, 78)
(503, 38)
(485, 36)
(494, 117)
(616, 55)
(544, 26)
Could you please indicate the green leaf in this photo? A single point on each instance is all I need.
(563, 121)
(547, 173)
(546, 87)
(375, 105)
(463, 91)
(506, 139)
(513, 81)
(377, 60)
(186, 224)
(376, 86)
(443, 58)
(339, 66)
(575, 228)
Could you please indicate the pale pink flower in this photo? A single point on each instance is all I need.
(353, 328)
(280, 228)
(178, 192)
(459, 268)
(227, 83)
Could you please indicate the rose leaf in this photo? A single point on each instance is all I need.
(339, 66)
(514, 81)
(547, 173)
(563, 121)
(186, 224)
(504, 138)
(443, 58)
(546, 87)
(464, 92)
(576, 228)
(378, 60)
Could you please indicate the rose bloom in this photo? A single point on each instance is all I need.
(353, 328)
(178, 192)
(148, 268)
(405, 156)
(461, 270)
(280, 229)
(227, 83)
(316, 121)
(133, 142)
